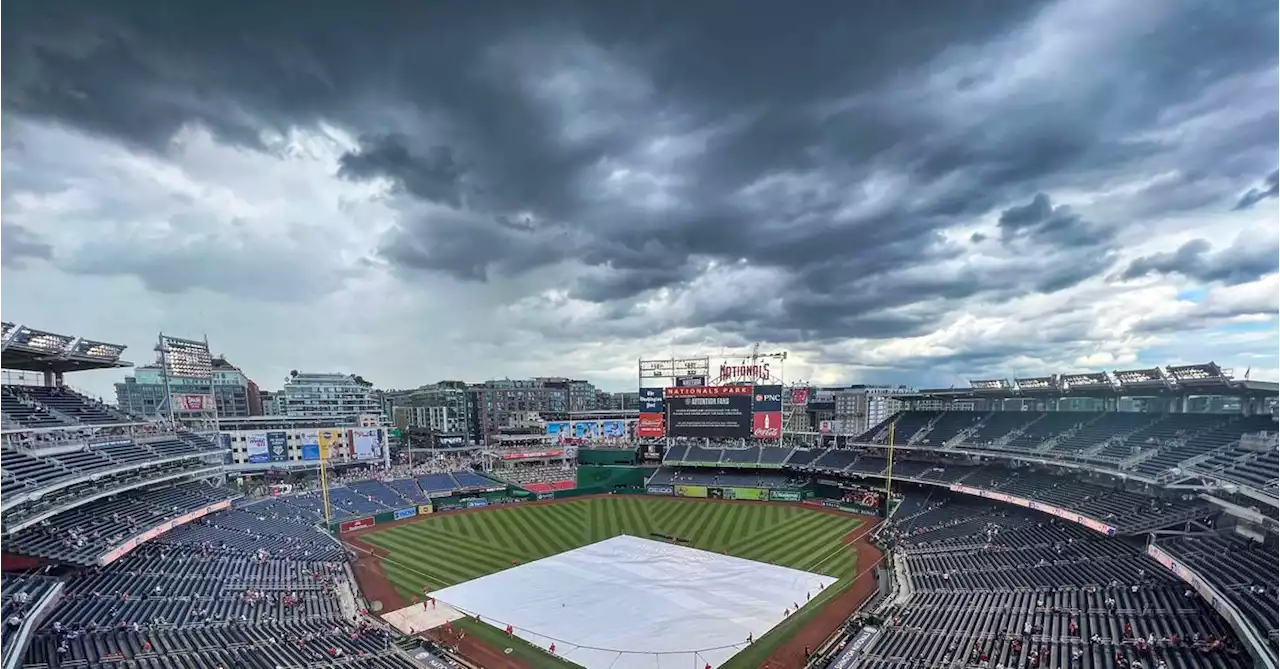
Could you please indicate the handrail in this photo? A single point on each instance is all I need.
(17, 645)
(1141, 456)
(1225, 607)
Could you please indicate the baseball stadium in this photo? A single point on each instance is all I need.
(1085, 520)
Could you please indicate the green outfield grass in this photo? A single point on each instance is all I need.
(444, 550)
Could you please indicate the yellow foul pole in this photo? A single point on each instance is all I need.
(888, 479)
(324, 489)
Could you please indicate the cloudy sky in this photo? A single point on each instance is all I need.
(925, 192)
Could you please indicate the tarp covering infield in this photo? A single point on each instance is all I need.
(630, 602)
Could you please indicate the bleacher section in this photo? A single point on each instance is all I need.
(253, 528)
(1242, 570)
(132, 560)
(37, 480)
(86, 534)
(292, 643)
(242, 588)
(22, 600)
(1148, 444)
(992, 585)
(1129, 512)
(40, 407)
(547, 478)
(369, 497)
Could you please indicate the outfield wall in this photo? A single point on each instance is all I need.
(627, 483)
(601, 478)
(726, 492)
(607, 456)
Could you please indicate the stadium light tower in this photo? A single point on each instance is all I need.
(187, 364)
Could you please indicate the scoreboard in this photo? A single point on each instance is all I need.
(708, 412)
(723, 412)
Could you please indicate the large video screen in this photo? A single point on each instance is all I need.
(709, 412)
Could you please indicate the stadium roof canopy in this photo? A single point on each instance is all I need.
(30, 350)
(1171, 381)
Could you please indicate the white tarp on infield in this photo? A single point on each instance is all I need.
(639, 596)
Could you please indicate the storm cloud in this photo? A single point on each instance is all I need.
(810, 175)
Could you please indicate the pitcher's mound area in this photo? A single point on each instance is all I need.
(629, 602)
(415, 619)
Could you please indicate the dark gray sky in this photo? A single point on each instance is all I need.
(920, 192)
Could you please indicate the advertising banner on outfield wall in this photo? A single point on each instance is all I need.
(651, 425)
(401, 514)
(766, 424)
(475, 503)
(558, 430)
(184, 402)
(691, 491)
(784, 495)
(767, 398)
(652, 421)
(766, 412)
(366, 443)
(534, 455)
(310, 446)
(278, 445)
(256, 448)
(651, 400)
(425, 510)
(709, 412)
(330, 443)
(353, 525)
(660, 490)
(746, 493)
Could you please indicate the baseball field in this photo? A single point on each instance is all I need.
(440, 551)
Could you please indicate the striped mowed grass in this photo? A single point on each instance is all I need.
(440, 551)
